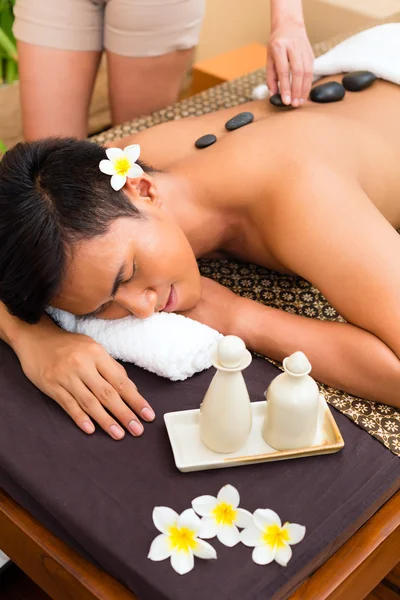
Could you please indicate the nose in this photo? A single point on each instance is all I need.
(141, 303)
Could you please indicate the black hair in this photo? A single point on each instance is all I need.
(52, 194)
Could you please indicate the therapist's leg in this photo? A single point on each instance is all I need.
(142, 85)
(149, 47)
(56, 87)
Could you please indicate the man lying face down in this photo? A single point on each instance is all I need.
(313, 194)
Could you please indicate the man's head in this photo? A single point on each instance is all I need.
(68, 239)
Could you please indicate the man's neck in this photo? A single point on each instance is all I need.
(206, 225)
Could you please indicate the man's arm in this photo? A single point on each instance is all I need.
(342, 355)
(324, 228)
(10, 327)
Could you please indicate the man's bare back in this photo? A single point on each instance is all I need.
(359, 134)
(256, 168)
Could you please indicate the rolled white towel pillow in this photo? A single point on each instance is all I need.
(167, 344)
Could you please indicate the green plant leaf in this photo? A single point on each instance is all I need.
(11, 71)
(6, 23)
(3, 147)
(7, 45)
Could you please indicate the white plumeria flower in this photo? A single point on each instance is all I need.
(271, 541)
(221, 515)
(121, 164)
(179, 539)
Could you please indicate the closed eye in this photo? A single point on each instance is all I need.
(131, 278)
(103, 307)
(96, 312)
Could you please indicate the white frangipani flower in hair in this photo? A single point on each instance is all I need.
(121, 164)
(221, 516)
(270, 540)
(179, 539)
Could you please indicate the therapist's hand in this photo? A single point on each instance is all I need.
(290, 52)
(83, 379)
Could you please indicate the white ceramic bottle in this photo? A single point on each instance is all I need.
(292, 406)
(225, 413)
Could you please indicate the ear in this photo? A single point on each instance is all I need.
(142, 188)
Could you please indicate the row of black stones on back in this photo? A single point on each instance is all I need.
(332, 91)
(240, 120)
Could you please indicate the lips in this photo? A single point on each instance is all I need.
(171, 302)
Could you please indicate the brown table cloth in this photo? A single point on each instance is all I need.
(98, 494)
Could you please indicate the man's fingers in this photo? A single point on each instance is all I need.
(116, 376)
(72, 408)
(297, 70)
(272, 76)
(282, 67)
(108, 397)
(308, 62)
(92, 405)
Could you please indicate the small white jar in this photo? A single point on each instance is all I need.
(225, 413)
(292, 406)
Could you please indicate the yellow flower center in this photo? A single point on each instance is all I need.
(122, 165)
(182, 539)
(275, 536)
(224, 514)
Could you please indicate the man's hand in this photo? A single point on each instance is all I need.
(290, 52)
(83, 379)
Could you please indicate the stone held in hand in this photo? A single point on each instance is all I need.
(332, 91)
(358, 80)
(206, 140)
(240, 120)
(276, 100)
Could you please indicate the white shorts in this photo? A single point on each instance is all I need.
(135, 28)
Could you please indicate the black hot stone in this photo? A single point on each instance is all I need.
(243, 118)
(276, 100)
(327, 92)
(358, 80)
(206, 140)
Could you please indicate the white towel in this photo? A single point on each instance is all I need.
(376, 49)
(170, 345)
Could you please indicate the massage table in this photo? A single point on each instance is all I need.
(75, 511)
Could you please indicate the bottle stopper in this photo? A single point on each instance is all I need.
(230, 351)
(297, 363)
